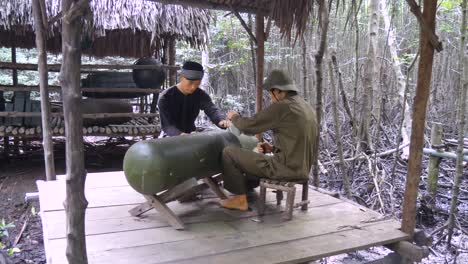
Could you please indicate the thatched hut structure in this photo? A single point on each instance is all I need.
(123, 28)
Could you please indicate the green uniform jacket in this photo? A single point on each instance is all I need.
(294, 126)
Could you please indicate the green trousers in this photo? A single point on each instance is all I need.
(241, 167)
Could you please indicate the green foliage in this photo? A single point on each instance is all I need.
(4, 228)
(13, 250)
(450, 4)
(407, 58)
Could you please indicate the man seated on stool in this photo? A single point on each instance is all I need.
(180, 105)
(294, 127)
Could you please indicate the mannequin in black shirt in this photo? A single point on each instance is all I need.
(180, 105)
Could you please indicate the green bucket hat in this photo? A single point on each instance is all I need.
(279, 80)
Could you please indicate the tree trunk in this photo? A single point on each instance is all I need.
(356, 69)
(342, 92)
(304, 68)
(205, 60)
(337, 125)
(419, 118)
(252, 50)
(44, 91)
(260, 35)
(463, 65)
(75, 203)
(323, 11)
(365, 142)
(400, 79)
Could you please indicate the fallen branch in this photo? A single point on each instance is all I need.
(18, 237)
(376, 184)
(362, 156)
(442, 227)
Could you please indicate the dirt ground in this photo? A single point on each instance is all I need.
(19, 173)
(18, 176)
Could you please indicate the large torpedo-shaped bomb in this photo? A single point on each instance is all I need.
(152, 166)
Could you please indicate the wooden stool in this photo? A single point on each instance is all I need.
(280, 187)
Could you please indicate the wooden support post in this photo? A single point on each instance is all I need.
(392, 258)
(43, 83)
(162, 208)
(409, 251)
(289, 203)
(187, 188)
(172, 59)
(75, 203)
(260, 36)
(13, 61)
(262, 201)
(419, 118)
(433, 168)
(305, 195)
(215, 188)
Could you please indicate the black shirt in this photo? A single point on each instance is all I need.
(178, 111)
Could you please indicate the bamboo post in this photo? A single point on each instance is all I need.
(260, 34)
(75, 203)
(463, 65)
(43, 82)
(433, 168)
(419, 118)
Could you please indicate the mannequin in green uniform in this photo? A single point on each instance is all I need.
(294, 126)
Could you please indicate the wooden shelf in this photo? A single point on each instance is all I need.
(53, 88)
(98, 115)
(87, 67)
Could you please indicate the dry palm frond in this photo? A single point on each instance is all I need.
(118, 27)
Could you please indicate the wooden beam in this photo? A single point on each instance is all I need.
(419, 119)
(215, 188)
(165, 211)
(210, 5)
(40, 18)
(56, 67)
(92, 116)
(94, 90)
(75, 203)
(249, 30)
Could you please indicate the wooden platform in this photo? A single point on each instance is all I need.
(213, 235)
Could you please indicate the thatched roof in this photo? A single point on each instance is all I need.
(119, 27)
(287, 14)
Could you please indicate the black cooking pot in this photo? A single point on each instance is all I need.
(153, 79)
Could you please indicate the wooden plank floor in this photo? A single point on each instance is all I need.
(213, 234)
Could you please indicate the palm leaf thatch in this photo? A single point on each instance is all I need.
(288, 15)
(118, 27)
